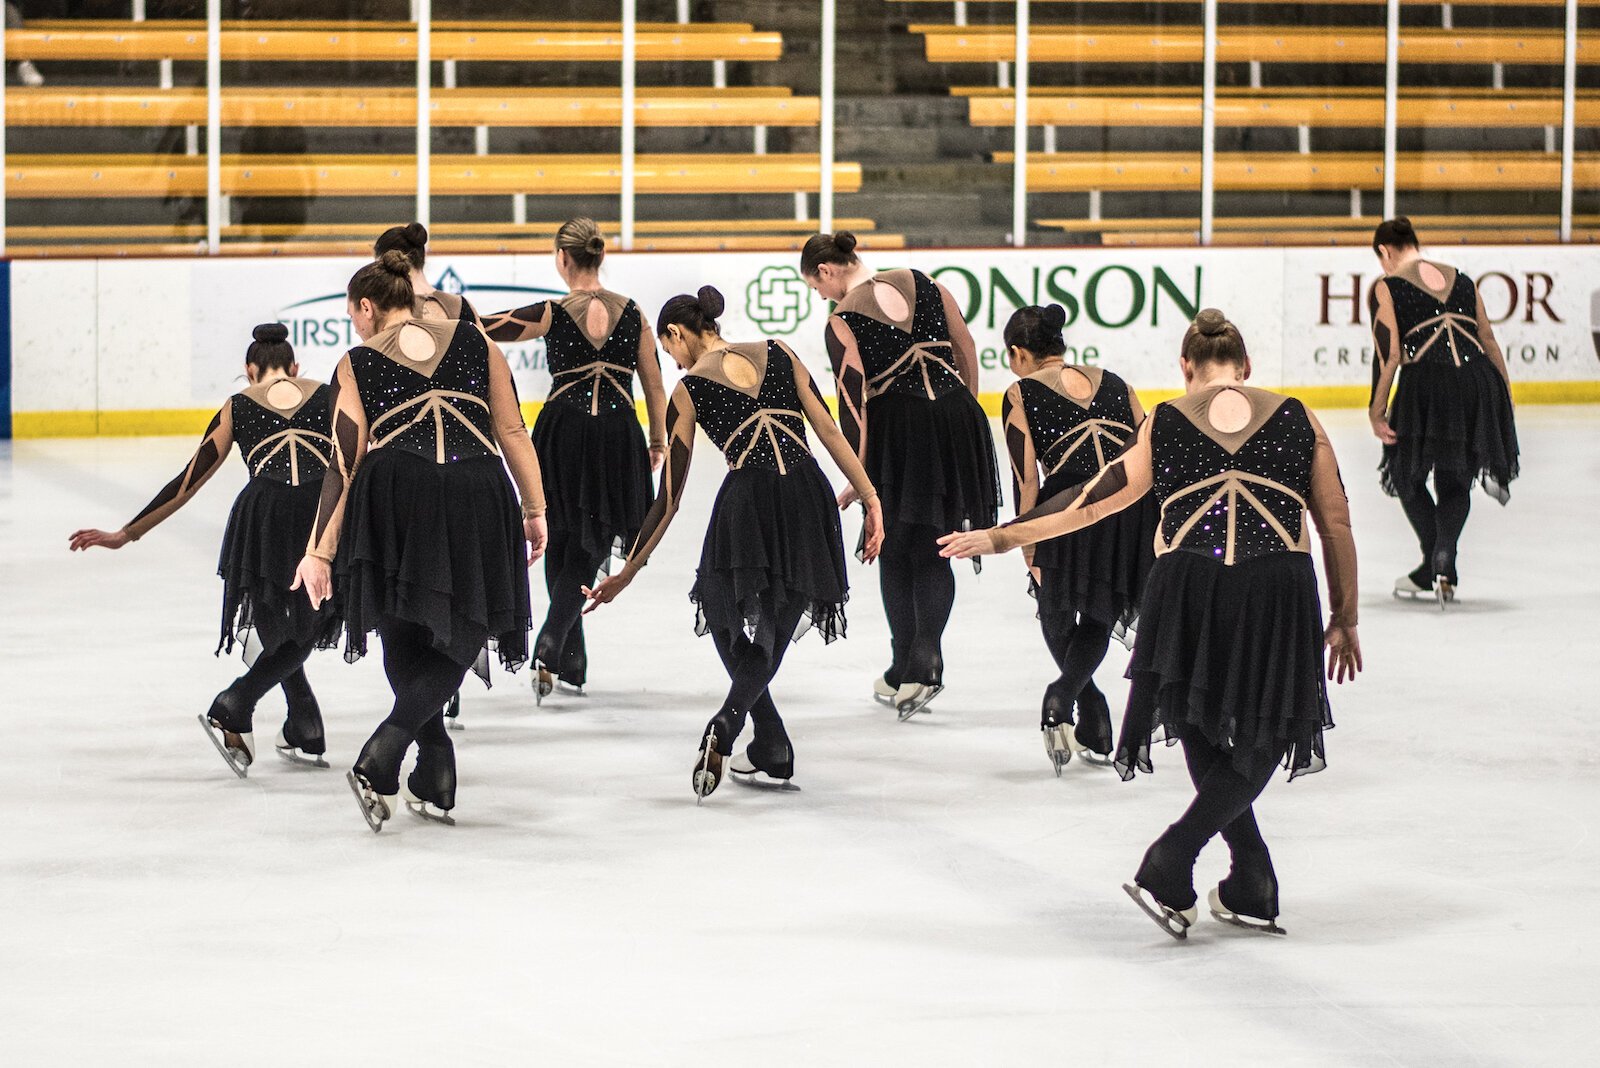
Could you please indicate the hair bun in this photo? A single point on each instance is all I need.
(396, 262)
(1210, 322)
(710, 300)
(1055, 316)
(595, 244)
(1403, 225)
(844, 241)
(415, 234)
(270, 333)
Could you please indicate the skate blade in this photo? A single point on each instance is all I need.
(566, 689)
(237, 759)
(423, 810)
(708, 772)
(1095, 760)
(1175, 923)
(1057, 748)
(1220, 912)
(918, 702)
(887, 702)
(373, 808)
(760, 780)
(1443, 591)
(296, 756)
(455, 724)
(543, 686)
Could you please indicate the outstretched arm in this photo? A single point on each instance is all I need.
(1024, 460)
(517, 448)
(850, 376)
(349, 448)
(1491, 346)
(1119, 484)
(966, 350)
(655, 396)
(821, 420)
(680, 450)
(202, 465)
(519, 324)
(1330, 511)
(1385, 359)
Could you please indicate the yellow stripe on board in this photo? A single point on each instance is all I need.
(157, 422)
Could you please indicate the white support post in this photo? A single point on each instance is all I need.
(1094, 205)
(1447, 17)
(1303, 132)
(164, 75)
(1255, 74)
(191, 140)
(138, 10)
(1391, 112)
(1019, 131)
(449, 73)
(424, 211)
(719, 74)
(1551, 145)
(802, 211)
(1355, 203)
(1569, 104)
(630, 69)
(1208, 125)
(214, 203)
(961, 12)
(1497, 72)
(1050, 139)
(480, 140)
(1002, 78)
(683, 11)
(825, 131)
(519, 208)
(759, 141)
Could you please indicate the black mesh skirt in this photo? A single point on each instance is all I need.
(1454, 418)
(1099, 571)
(932, 461)
(440, 546)
(596, 471)
(774, 540)
(1235, 651)
(265, 538)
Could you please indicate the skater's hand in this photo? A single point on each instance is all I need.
(105, 539)
(847, 497)
(1344, 653)
(874, 531)
(607, 589)
(1382, 430)
(317, 577)
(658, 456)
(965, 544)
(537, 532)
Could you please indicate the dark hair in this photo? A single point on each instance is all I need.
(270, 351)
(385, 281)
(411, 239)
(1037, 329)
(1396, 233)
(583, 243)
(838, 248)
(696, 314)
(1212, 339)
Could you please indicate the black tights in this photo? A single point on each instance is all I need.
(1438, 525)
(1223, 800)
(284, 666)
(422, 679)
(750, 670)
(919, 590)
(567, 569)
(1078, 644)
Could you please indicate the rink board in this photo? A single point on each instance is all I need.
(123, 346)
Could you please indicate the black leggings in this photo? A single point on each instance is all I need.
(567, 569)
(919, 590)
(1438, 525)
(750, 670)
(1078, 645)
(1223, 800)
(283, 666)
(422, 679)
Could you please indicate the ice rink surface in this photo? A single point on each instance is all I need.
(933, 896)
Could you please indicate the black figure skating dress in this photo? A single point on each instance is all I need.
(1098, 572)
(928, 451)
(281, 430)
(430, 530)
(1230, 635)
(1452, 407)
(774, 542)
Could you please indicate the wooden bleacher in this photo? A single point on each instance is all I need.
(1326, 229)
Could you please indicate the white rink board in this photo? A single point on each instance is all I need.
(118, 335)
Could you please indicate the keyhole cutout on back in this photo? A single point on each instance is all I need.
(1229, 411)
(1431, 276)
(891, 300)
(283, 395)
(740, 371)
(597, 319)
(1076, 383)
(416, 344)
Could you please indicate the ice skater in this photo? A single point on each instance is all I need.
(280, 425)
(431, 542)
(1451, 415)
(1069, 422)
(1228, 658)
(772, 565)
(907, 373)
(411, 240)
(593, 456)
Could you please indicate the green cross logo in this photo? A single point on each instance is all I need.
(777, 300)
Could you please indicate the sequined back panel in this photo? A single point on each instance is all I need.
(767, 430)
(1073, 442)
(1443, 332)
(293, 450)
(445, 417)
(918, 361)
(596, 381)
(1239, 506)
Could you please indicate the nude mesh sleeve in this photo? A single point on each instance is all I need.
(202, 465)
(1385, 347)
(850, 375)
(505, 411)
(965, 349)
(1119, 484)
(1330, 511)
(1491, 344)
(519, 324)
(821, 420)
(349, 448)
(655, 395)
(680, 450)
